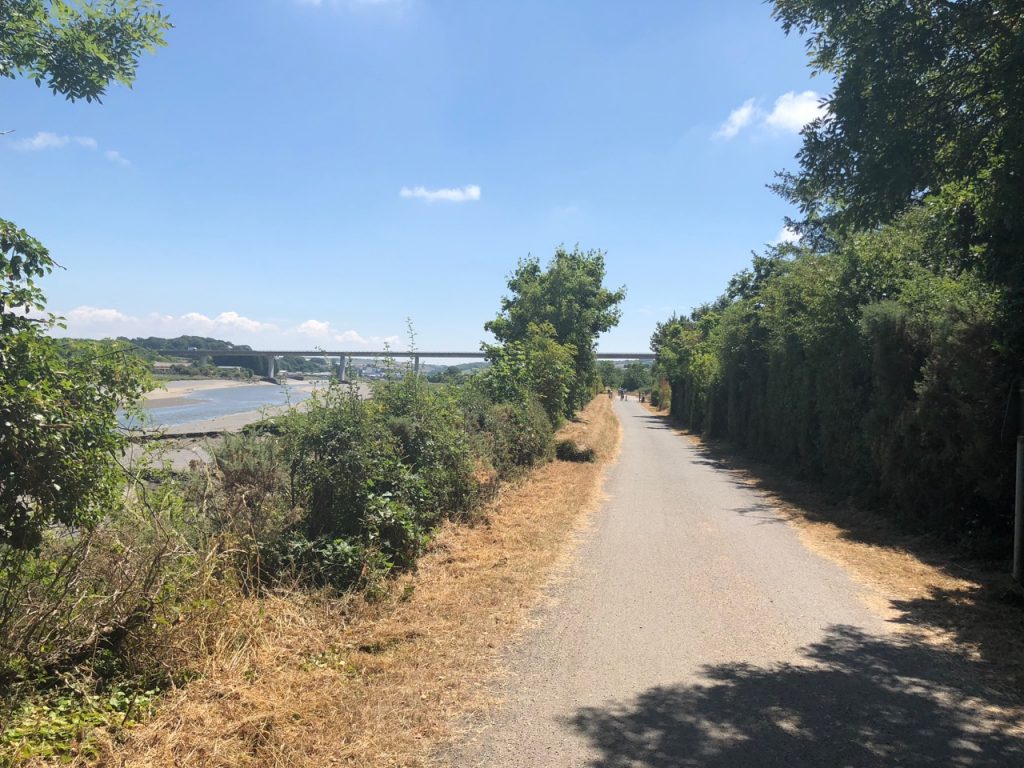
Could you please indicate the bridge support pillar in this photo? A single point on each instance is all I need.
(416, 364)
(342, 364)
(268, 366)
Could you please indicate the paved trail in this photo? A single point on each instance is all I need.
(696, 630)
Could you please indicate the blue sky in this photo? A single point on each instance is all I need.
(293, 173)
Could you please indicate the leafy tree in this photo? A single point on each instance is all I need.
(610, 374)
(636, 376)
(570, 296)
(58, 440)
(183, 343)
(58, 403)
(78, 50)
(449, 375)
(927, 101)
(535, 367)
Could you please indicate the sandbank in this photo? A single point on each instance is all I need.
(178, 389)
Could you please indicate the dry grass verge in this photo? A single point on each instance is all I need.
(302, 679)
(924, 586)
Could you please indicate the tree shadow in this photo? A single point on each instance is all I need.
(765, 514)
(853, 700)
(650, 421)
(983, 613)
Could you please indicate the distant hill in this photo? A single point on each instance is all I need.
(182, 343)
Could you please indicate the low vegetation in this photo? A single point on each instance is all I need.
(121, 582)
(309, 678)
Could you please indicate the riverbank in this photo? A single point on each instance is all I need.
(216, 405)
(180, 445)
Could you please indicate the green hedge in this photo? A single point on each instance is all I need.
(880, 369)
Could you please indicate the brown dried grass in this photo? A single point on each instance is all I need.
(299, 679)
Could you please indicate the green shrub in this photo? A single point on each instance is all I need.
(521, 436)
(430, 429)
(567, 450)
(322, 561)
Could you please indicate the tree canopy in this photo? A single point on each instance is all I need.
(78, 50)
(569, 295)
(927, 101)
(59, 443)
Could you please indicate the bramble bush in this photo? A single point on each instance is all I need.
(370, 479)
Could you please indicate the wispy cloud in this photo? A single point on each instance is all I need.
(116, 157)
(737, 120)
(352, 3)
(464, 194)
(97, 322)
(48, 140)
(44, 140)
(789, 114)
(87, 315)
(103, 322)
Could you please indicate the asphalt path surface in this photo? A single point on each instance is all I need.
(696, 630)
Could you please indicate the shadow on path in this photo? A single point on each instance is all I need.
(855, 700)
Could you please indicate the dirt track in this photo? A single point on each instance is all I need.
(696, 630)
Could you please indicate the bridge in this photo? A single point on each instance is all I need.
(269, 356)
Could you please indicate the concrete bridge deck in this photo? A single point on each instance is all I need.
(270, 355)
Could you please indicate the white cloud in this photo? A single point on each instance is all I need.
(737, 120)
(789, 114)
(95, 322)
(353, 337)
(99, 322)
(321, 330)
(85, 315)
(314, 329)
(42, 140)
(116, 157)
(444, 194)
(792, 111)
(570, 211)
(235, 320)
(351, 3)
(50, 140)
(786, 235)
